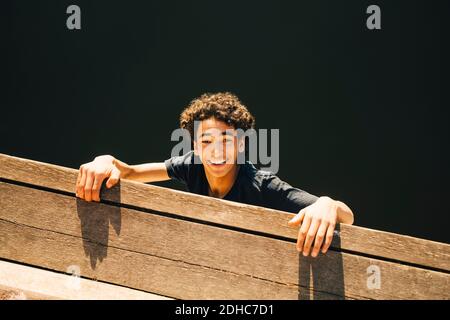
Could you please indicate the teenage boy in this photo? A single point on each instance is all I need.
(213, 169)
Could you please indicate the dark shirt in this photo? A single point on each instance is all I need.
(252, 186)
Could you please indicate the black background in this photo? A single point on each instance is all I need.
(363, 114)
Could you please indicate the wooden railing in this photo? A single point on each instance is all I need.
(145, 241)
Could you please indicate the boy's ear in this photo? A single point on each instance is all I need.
(195, 148)
(241, 144)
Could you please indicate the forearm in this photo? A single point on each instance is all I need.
(148, 172)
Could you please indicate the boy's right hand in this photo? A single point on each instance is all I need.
(92, 174)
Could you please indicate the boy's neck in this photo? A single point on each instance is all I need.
(219, 187)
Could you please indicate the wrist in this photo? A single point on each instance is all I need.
(129, 174)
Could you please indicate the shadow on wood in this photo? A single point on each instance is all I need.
(95, 221)
(327, 284)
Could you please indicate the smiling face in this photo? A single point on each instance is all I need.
(217, 145)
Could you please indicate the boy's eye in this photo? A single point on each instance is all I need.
(227, 141)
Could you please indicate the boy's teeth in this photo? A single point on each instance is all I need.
(217, 162)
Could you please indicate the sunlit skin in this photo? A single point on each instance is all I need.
(216, 142)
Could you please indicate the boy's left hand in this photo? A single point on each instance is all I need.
(318, 222)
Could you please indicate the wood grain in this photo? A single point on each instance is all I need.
(32, 283)
(355, 239)
(220, 253)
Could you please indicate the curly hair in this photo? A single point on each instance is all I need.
(223, 106)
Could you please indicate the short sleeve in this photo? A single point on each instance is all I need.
(282, 196)
(178, 167)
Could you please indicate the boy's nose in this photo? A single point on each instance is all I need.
(218, 150)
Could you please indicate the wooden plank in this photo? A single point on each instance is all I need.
(352, 238)
(33, 283)
(166, 277)
(181, 280)
(7, 293)
(243, 254)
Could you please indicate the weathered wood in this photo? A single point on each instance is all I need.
(133, 269)
(256, 261)
(7, 293)
(24, 282)
(375, 243)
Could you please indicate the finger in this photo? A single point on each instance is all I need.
(319, 238)
(113, 178)
(328, 238)
(80, 189)
(297, 219)
(310, 236)
(98, 179)
(303, 231)
(88, 186)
